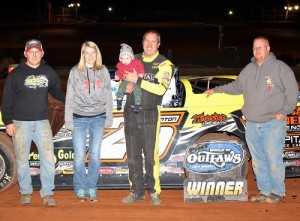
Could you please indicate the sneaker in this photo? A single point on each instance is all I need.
(92, 194)
(80, 194)
(259, 199)
(273, 198)
(154, 199)
(137, 108)
(25, 198)
(131, 198)
(49, 200)
(119, 104)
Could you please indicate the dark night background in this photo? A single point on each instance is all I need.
(191, 29)
(151, 11)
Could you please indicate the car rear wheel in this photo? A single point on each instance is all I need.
(8, 169)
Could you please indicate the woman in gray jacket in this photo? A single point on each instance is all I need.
(88, 112)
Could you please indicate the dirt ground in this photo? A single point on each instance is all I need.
(110, 208)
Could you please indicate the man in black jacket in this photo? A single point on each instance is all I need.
(26, 116)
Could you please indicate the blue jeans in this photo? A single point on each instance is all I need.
(265, 142)
(41, 134)
(91, 128)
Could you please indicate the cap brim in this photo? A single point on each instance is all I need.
(37, 47)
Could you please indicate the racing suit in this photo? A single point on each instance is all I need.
(142, 130)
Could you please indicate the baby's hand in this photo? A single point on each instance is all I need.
(129, 88)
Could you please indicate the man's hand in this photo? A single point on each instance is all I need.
(10, 130)
(278, 117)
(131, 76)
(209, 92)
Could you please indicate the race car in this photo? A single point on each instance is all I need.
(186, 117)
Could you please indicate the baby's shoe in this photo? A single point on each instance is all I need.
(119, 104)
(137, 108)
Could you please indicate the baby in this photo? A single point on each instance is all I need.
(127, 62)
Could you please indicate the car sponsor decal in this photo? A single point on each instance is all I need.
(291, 154)
(292, 140)
(293, 121)
(295, 163)
(212, 119)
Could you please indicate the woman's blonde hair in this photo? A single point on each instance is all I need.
(98, 62)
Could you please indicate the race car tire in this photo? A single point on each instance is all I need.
(8, 168)
(57, 114)
(5, 138)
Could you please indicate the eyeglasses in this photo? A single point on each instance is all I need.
(259, 48)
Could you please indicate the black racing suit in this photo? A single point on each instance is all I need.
(142, 129)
